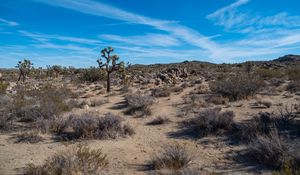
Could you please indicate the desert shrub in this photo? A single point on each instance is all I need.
(98, 102)
(293, 86)
(55, 125)
(46, 102)
(217, 99)
(177, 89)
(81, 160)
(5, 123)
(139, 104)
(269, 73)
(293, 72)
(92, 75)
(28, 137)
(260, 125)
(161, 92)
(159, 121)
(76, 103)
(211, 121)
(90, 126)
(3, 87)
(174, 158)
(276, 82)
(236, 87)
(52, 100)
(269, 150)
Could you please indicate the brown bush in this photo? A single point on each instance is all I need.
(269, 150)
(174, 158)
(28, 137)
(159, 121)
(211, 121)
(90, 126)
(237, 87)
(81, 160)
(139, 104)
(161, 92)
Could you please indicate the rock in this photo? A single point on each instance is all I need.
(86, 107)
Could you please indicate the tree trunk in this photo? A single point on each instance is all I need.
(108, 83)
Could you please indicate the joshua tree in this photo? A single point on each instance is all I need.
(110, 65)
(24, 68)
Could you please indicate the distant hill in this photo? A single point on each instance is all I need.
(288, 58)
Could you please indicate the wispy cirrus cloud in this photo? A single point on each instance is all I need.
(46, 37)
(8, 22)
(100, 9)
(247, 21)
(149, 39)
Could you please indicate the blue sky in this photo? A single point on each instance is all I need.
(72, 32)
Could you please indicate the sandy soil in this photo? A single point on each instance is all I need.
(130, 155)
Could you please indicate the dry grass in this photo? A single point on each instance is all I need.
(81, 160)
(90, 126)
(139, 104)
(161, 92)
(211, 121)
(174, 158)
(28, 137)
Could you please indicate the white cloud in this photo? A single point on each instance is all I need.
(149, 39)
(246, 21)
(9, 23)
(46, 37)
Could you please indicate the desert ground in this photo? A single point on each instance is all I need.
(223, 119)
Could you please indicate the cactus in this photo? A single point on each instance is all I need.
(110, 65)
(24, 68)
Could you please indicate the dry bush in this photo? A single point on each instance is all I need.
(237, 87)
(92, 75)
(293, 72)
(90, 126)
(177, 89)
(269, 73)
(161, 92)
(3, 87)
(5, 123)
(98, 102)
(174, 158)
(211, 121)
(217, 99)
(76, 103)
(293, 86)
(139, 104)
(55, 125)
(46, 102)
(28, 137)
(81, 160)
(269, 150)
(159, 121)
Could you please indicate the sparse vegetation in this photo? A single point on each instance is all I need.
(28, 137)
(90, 126)
(237, 87)
(81, 160)
(174, 158)
(139, 104)
(161, 92)
(210, 121)
(159, 120)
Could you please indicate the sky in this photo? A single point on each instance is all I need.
(73, 32)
